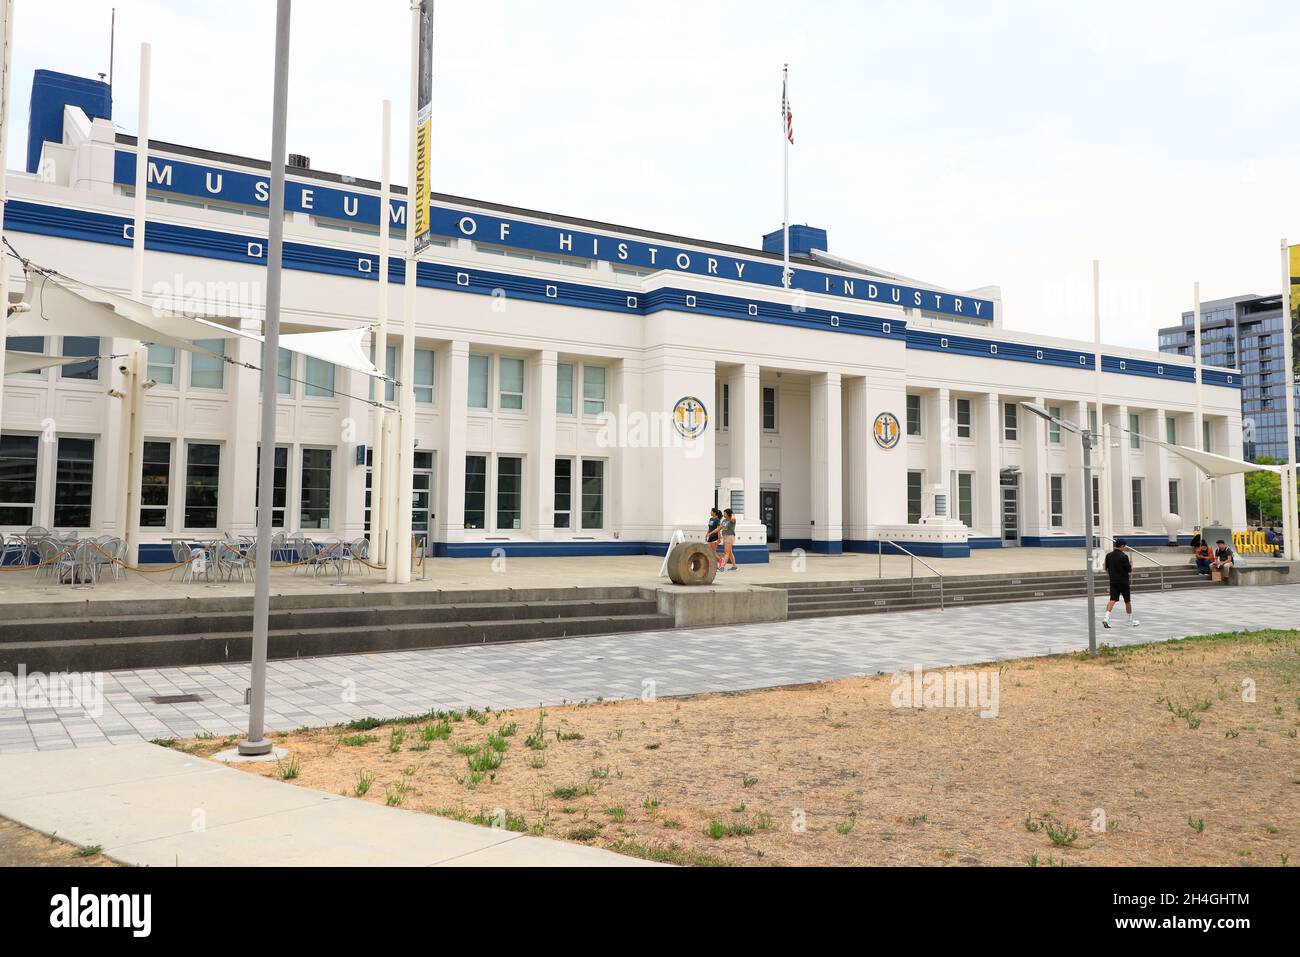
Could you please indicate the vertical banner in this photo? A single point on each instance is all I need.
(1295, 305)
(423, 127)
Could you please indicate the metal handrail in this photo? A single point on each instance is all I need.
(1137, 551)
(911, 571)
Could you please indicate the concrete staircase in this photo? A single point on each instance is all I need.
(873, 596)
(116, 635)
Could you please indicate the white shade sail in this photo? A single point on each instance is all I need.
(1214, 466)
(58, 310)
(16, 362)
(61, 306)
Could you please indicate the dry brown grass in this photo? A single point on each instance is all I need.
(23, 847)
(878, 784)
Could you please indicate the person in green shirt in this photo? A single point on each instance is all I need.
(728, 528)
(713, 536)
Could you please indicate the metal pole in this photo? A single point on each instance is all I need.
(1198, 439)
(7, 38)
(405, 460)
(1103, 447)
(133, 387)
(1087, 531)
(785, 175)
(378, 485)
(1290, 503)
(257, 742)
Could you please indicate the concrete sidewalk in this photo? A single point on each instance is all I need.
(146, 805)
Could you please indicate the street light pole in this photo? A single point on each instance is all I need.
(1087, 532)
(1089, 441)
(257, 742)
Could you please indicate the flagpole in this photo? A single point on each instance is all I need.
(1198, 440)
(785, 174)
(1290, 497)
(1106, 527)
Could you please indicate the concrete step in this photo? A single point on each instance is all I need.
(866, 603)
(801, 587)
(160, 650)
(92, 627)
(1032, 588)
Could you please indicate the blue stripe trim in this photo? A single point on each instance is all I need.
(920, 549)
(745, 554)
(41, 219)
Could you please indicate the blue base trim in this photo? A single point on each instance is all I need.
(920, 549)
(745, 554)
(984, 542)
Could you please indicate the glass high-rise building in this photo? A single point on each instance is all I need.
(1244, 333)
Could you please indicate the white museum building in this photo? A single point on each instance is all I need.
(581, 388)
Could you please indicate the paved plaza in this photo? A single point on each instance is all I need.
(322, 691)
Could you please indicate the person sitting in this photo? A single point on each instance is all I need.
(1223, 559)
(1270, 540)
(1204, 555)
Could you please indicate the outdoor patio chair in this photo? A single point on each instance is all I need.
(329, 553)
(358, 551)
(46, 551)
(278, 547)
(34, 535)
(104, 554)
(229, 560)
(13, 549)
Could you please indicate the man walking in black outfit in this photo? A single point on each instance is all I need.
(1119, 569)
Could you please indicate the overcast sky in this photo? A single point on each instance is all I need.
(966, 143)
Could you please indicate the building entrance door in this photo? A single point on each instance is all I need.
(1011, 515)
(770, 506)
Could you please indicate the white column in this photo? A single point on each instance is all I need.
(746, 426)
(1034, 519)
(827, 468)
(453, 399)
(1153, 426)
(940, 438)
(988, 472)
(540, 484)
(6, 51)
(1122, 448)
(348, 494)
(856, 445)
(1073, 445)
(237, 496)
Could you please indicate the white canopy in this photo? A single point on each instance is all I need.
(16, 362)
(1214, 466)
(59, 305)
(57, 310)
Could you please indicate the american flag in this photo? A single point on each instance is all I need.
(786, 114)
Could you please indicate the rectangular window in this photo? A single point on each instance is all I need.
(162, 364)
(1134, 430)
(319, 377)
(18, 479)
(1137, 504)
(769, 409)
(511, 373)
(726, 406)
(510, 492)
(914, 480)
(1011, 421)
(913, 415)
(564, 388)
(284, 372)
(564, 493)
(155, 483)
(1171, 430)
(81, 346)
(593, 493)
(208, 372)
(314, 499)
(475, 491)
(479, 374)
(424, 376)
(1174, 504)
(966, 498)
(1205, 435)
(1092, 422)
(963, 419)
(32, 344)
(1096, 503)
(1053, 429)
(279, 485)
(1056, 500)
(74, 483)
(593, 390)
(202, 482)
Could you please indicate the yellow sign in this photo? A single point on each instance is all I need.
(423, 128)
(1252, 543)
